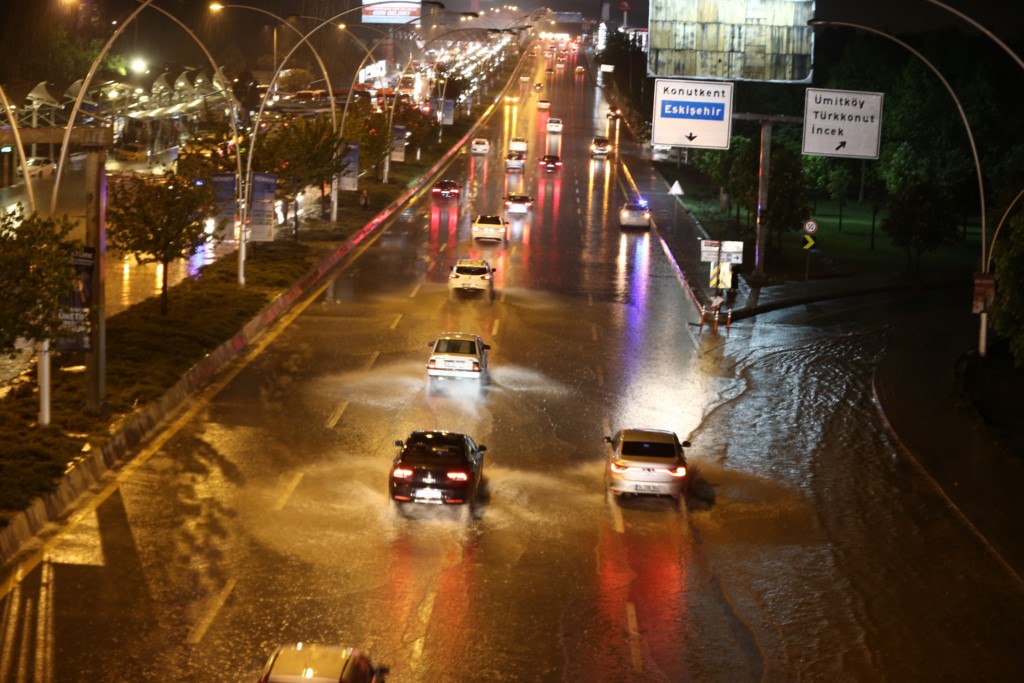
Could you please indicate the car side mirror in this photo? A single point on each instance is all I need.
(685, 444)
(481, 448)
(607, 439)
(399, 443)
(487, 347)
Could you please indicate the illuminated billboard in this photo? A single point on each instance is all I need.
(737, 40)
(384, 12)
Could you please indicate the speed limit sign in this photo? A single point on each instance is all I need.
(810, 227)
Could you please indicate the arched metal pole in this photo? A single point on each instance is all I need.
(982, 341)
(22, 161)
(302, 39)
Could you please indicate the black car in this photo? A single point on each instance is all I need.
(551, 162)
(446, 189)
(436, 467)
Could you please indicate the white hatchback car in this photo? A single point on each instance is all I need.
(646, 462)
(471, 275)
(488, 226)
(457, 355)
(518, 145)
(543, 104)
(38, 167)
(554, 125)
(480, 146)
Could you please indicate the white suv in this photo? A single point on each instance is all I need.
(471, 275)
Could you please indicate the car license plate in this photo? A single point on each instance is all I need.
(427, 494)
(647, 488)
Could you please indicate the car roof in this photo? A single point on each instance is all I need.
(467, 261)
(488, 218)
(600, 138)
(635, 206)
(477, 141)
(645, 434)
(294, 663)
(519, 197)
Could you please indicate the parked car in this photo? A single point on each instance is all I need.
(37, 167)
(554, 125)
(644, 461)
(480, 146)
(515, 161)
(551, 162)
(635, 214)
(518, 145)
(488, 226)
(131, 151)
(457, 355)
(518, 203)
(320, 664)
(439, 468)
(600, 147)
(446, 189)
(471, 275)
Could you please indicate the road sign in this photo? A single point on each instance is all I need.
(625, 5)
(810, 227)
(713, 251)
(842, 123)
(676, 190)
(809, 242)
(692, 113)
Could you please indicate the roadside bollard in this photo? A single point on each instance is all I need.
(728, 321)
(702, 314)
(715, 312)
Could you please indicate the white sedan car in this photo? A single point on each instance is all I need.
(38, 167)
(646, 462)
(488, 227)
(635, 215)
(479, 146)
(456, 355)
(554, 125)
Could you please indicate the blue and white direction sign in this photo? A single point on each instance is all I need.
(692, 113)
(842, 123)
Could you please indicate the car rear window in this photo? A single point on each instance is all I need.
(461, 346)
(648, 449)
(470, 270)
(419, 454)
(636, 207)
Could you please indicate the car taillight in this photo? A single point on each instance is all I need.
(458, 476)
(453, 276)
(476, 366)
(678, 471)
(401, 473)
(485, 277)
(431, 363)
(647, 214)
(619, 469)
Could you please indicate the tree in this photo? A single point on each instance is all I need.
(839, 181)
(159, 222)
(35, 272)
(1008, 308)
(787, 193)
(920, 218)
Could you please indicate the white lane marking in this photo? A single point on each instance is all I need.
(494, 328)
(211, 613)
(398, 319)
(600, 376)
(606, 425)
(423, 613)
(617, 522)
(288, 491)
(501, 297)
(415, 291)
(442, 248)
(336, 414)
(590, 299)
(593, 332)
(373, 359)
(634, 638)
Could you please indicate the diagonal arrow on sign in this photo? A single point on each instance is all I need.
(809, 242)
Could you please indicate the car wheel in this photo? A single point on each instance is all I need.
(466, 513)
(609, 496)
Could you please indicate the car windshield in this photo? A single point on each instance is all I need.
(471, 270)
(635, 207)
(462, 347)
(648, 449)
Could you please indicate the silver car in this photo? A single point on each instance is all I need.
(646, 462)
(471, 275)
(635, 214)
(456, 355)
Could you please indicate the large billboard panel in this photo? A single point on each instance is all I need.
(736, 40)
(383, 12)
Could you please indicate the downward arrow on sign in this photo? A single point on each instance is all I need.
(691, 137)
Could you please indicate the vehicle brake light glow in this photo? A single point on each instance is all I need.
(432, 363)
(458, 476)
(401, 473)
(679, 471)
(620, 469)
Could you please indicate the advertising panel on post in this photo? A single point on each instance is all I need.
(384, 12)
(349, 178)
(77, 305)
(226, 203)
(261, 213)
(736, 40)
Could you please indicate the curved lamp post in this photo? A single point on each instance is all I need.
(982, 342)
(216, 7)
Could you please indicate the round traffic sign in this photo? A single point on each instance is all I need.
(810, 227)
